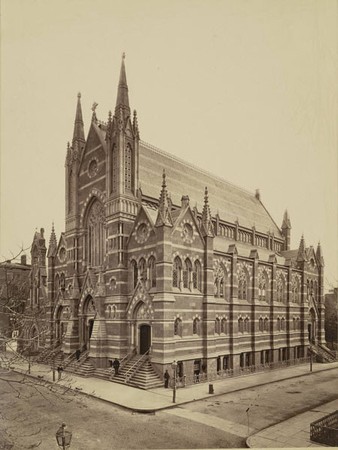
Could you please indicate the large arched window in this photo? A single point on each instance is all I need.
(95, 234)
(197, 276)
(152, 272)
(295, 290)
(221, 288)
(263, 287)
(177, 269)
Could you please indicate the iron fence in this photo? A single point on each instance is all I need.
(187, 380)
(325, 430)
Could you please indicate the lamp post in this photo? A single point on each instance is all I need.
(174, 367)
(63, 437)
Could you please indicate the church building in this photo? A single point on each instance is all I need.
(161, 261)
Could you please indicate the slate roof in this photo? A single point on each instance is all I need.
(231, 202)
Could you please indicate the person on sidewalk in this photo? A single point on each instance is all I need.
(60, 370)
(166, 379)
(116, 365)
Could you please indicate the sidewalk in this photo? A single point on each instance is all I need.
(294, 432)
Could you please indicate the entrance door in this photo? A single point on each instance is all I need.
(145, 338)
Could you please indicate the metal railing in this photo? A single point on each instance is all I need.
(68, 360)
(187, 380)
(133, 369)
(123, 362)
(325, 430)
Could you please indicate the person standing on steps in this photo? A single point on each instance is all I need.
(116, 365)
(166, 379)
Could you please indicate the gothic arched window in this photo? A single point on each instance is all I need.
(280, 288)
(152, 272)
(217, 326)
(240, 325)
(127, 168)
(178, 327)
(187, 273)
(266, 324)
(261, 324)
(196, 326)
(246, 325)
(142, 269)
(95, 234)
(242, 286)
(177, 269)
(71, 191)
(278, 324)
(295, 290)
(114, 169)
(263, 287)
(134, 273)
(197, 276)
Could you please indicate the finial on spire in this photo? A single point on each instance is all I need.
(207, 225)
(123, 55)
(164, 214)
(79, 95)
(301, 256)
(52, 248)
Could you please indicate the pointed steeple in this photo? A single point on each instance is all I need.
(319, 255)
(301, 256)
(164, 214)
(52, 248)
(286, 230)
(286, 221)
(207, 226)
(122, 100)
(78, 134)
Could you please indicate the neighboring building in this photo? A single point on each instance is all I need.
(331, 319)
(202, 275)
(14, 289)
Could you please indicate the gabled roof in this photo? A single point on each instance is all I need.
(231, 202)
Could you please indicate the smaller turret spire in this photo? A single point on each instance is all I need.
(52, 248)
(301, 256)
(286, 230)
(207, 226)
(164, 214)
(78, 134)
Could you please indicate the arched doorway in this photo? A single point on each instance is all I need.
(88, 317)
(144, 338)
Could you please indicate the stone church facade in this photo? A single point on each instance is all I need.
(163, 259)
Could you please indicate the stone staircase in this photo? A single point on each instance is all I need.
(323, 354)
(82, 367)
(144, 376)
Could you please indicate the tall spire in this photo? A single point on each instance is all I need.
(301, 256)
(319, 255)
(52, 243)
(207, 226)
(286, 221)
(286, 230)
(122, 100)
(78, 134)
(164, 214)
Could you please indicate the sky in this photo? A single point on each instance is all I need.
(246, 89)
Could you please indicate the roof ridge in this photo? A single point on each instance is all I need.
(205, 172)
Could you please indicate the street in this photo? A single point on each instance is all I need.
(31, 414)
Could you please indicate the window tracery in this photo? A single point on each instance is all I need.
(242, 285)
(177, 269)
(127, 168)
(152, 272)
(95, 234)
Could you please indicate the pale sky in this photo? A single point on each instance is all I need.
(244, 89)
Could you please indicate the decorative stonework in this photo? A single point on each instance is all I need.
(187, 232)
(62, 254)
(142, 233)
(93, 167)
